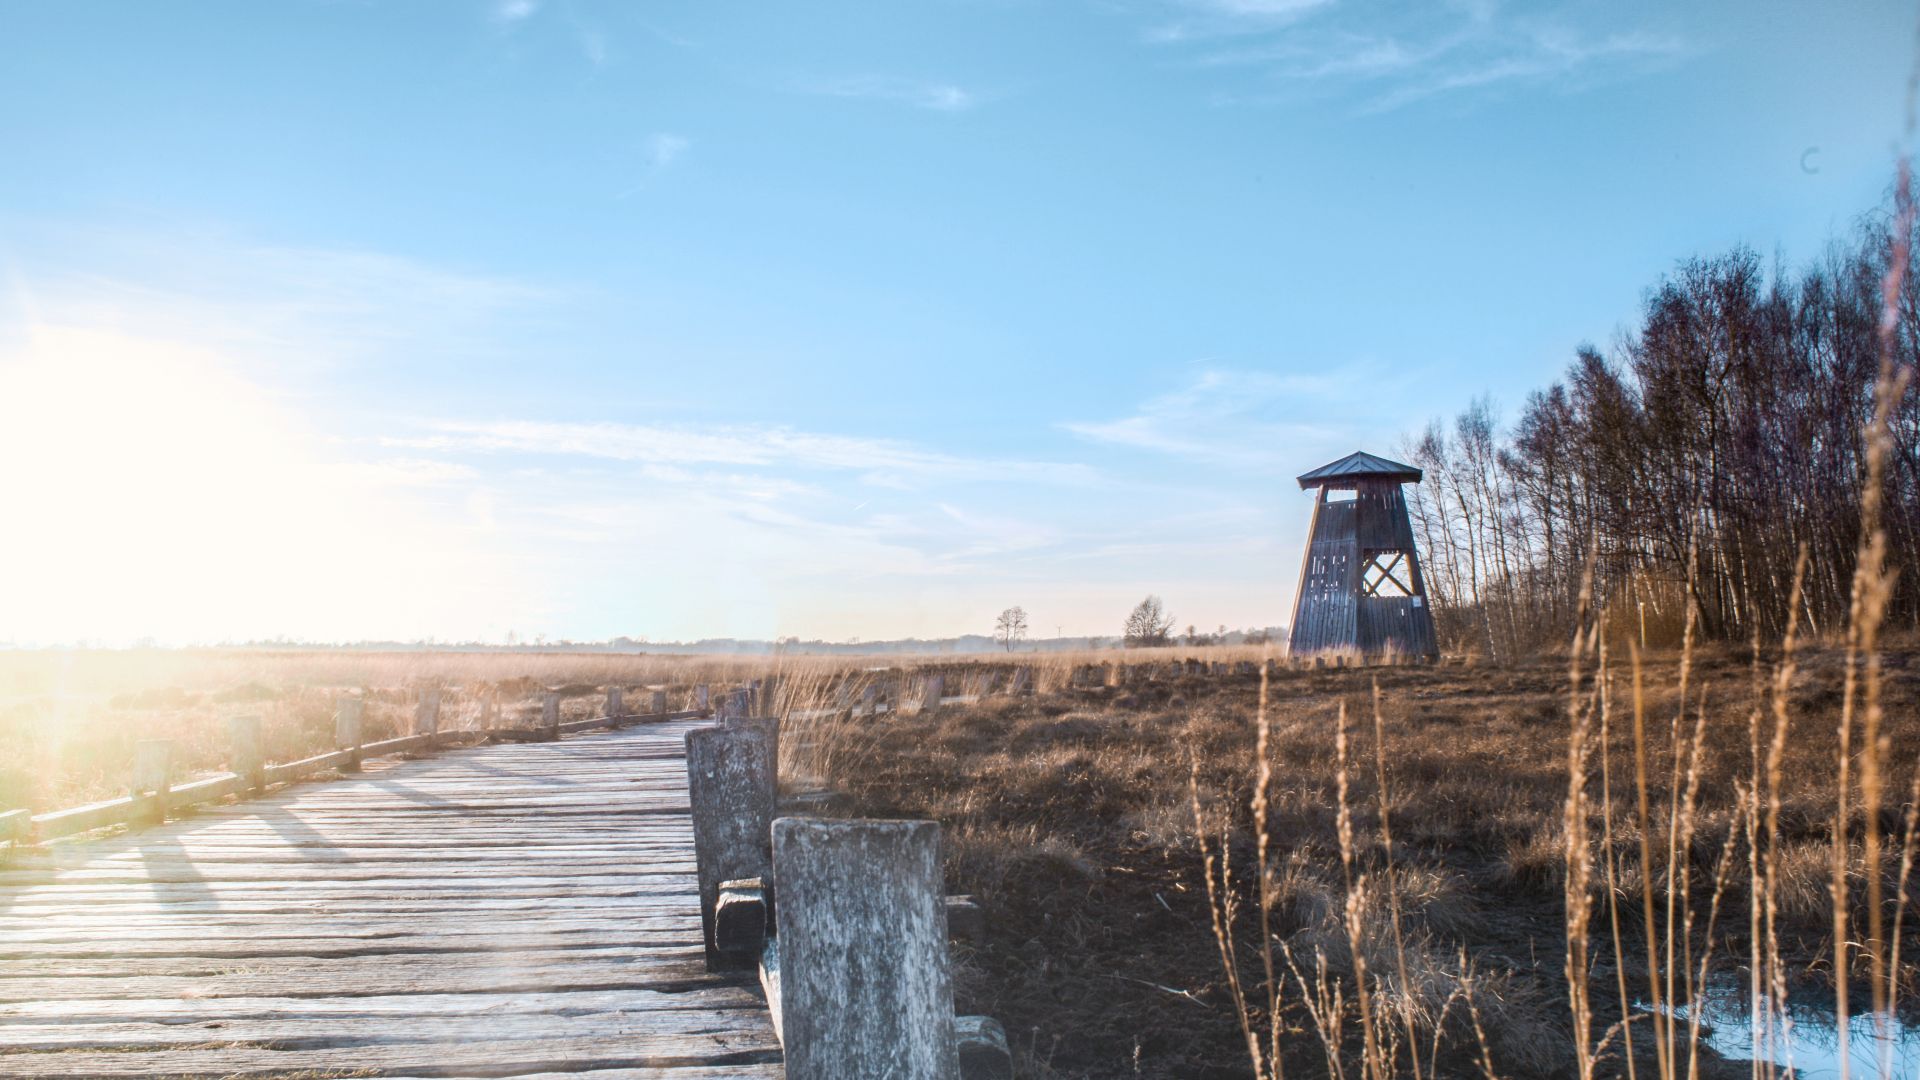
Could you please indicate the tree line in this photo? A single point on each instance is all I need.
(1723, 433)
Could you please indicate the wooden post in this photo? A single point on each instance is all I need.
(731, 786)
(984, 1054)
(769, 697)
(739, 703)
(616, 703)
(932, 689)
(870, 700)
(249, 761)
(862, 927)
(550, 716)
(659, 702)
(426, 716)
(152, 778)
(701, 696)
(966, 919)
(741, 926)
(1022, 680)
(347, 713)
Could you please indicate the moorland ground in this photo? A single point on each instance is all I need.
(1071, 814)
(1072, 817)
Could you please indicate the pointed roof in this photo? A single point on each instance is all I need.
(1359, 465)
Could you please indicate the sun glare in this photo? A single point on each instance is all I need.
(158, 493)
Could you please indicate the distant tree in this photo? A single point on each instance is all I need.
(1011, 627)
(1148, 624)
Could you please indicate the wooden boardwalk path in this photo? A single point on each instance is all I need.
(513, 910)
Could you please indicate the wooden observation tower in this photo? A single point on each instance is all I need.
(1361, 590)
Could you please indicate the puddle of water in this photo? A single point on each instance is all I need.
(1806, 1037)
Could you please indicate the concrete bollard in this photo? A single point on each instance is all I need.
(731, 778)
(864, 981)
(347, 715)
(248, 759)
(152, 778)
(426, 716)
(550, 716)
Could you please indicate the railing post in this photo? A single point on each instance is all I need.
(865, 985)
(347, 713)
(152, 778)
(731, 775)
(426, 716)
(550, 716)
(249, 760)
(701, 696)
(659, 702)
(616, 703)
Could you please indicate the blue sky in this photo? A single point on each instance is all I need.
(338, 320)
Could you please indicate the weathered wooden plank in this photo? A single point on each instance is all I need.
(474, 1055)
(300, 968)
(675, 971)
(491, 912)
(133, 1007)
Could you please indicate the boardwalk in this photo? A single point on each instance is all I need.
(498, 911)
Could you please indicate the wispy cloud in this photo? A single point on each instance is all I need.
(1383, 58)
(1196, 20)
(878, 460)
(664, 148)
(289, 303)
(1235, 418)
(507, 12)
(933, 96)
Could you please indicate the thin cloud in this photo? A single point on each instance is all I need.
(507, 12)
(664, 148)
(744, 446)
(1273, 52)
(1244, 419)
(942, 97)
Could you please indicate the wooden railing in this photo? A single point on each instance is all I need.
(153, 795)
(845, 921)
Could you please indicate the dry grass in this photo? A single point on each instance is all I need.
(1070, 813)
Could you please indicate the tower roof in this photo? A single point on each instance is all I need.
(1358, 465)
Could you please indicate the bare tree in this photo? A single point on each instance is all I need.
(1692, 462)
(1011, 627)
(1148, 624)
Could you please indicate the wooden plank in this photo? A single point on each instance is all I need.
(476, 1055)
(495, 911)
